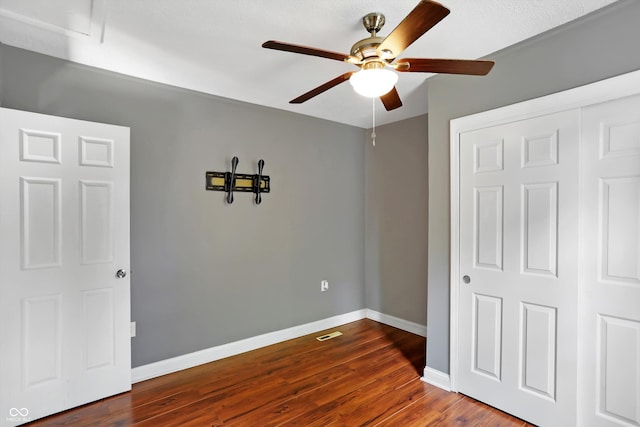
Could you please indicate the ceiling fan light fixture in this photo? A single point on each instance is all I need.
(373, 54)
(373, 82)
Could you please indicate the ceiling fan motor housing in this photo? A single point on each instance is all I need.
(366, 48)
(373, 22)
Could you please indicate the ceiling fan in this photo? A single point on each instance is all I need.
(374, 55)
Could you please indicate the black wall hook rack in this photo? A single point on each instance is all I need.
(230, 182)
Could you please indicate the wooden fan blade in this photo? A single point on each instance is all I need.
(422, 18)
(322, 88)
(446, 66)
(288, 47)
(391, 100)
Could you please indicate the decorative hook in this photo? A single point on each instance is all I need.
(258, 181)
(232, 180)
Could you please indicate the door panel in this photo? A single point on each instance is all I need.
(619, 370)
(64, 222)
(42, 340)
(96, 221)
(518, 244)
(487, 336)
(538, 350)
(99, 337)
(487, 236)
(620, 205)
(40, 222)
(610, 322)
(39, 146)
(539, 228)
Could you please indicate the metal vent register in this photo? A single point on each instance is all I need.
(329, 336)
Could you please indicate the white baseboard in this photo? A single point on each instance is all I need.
(175, 364)
(405, 325)
(190, 360)
(437, 378)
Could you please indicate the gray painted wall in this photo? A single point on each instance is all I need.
(1, 73)
(205, 273)
(396, 220)
(601, 45)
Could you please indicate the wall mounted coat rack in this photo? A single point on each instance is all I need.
(229, 182)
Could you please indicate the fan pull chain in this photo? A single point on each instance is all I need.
(373, 133)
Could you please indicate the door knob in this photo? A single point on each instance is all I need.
(121, 274)
(466, 279)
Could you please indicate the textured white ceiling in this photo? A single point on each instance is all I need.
(214, 46)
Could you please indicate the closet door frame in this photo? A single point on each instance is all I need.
(594, 93)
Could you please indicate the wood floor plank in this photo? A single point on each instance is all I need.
(140, 413)
(330, 402)
(370, 375)
(466, 412)
(426, 411)
(499, 419)
(394, 401)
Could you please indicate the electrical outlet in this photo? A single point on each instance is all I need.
(324, 286)
(133, 329)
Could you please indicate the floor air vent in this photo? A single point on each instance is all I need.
(329, 336)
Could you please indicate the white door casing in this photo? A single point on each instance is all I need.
(64, 227)
(607, 355)
(518, 233)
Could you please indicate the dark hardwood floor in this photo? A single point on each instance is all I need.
(368, 376)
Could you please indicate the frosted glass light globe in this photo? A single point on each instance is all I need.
(373, 82)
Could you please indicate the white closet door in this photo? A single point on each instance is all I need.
(64, 227)
(610, 293)
(518, 252)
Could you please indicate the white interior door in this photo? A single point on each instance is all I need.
(517, 314)
(610, 327)
(64, 227)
